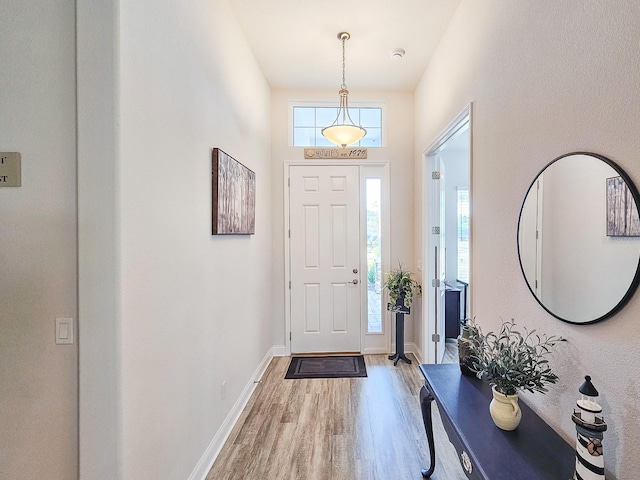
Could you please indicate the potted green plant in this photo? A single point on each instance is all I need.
(468, 335)
(401, 286)
(511, 362)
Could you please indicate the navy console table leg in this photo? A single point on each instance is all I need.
(425, 404)
(399, 341)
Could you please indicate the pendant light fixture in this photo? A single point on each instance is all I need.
(341, 132)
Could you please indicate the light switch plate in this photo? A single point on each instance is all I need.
(64, 331)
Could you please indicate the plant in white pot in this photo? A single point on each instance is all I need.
(511, 362)
(401, 285)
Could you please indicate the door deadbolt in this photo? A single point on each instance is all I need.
(355, 270)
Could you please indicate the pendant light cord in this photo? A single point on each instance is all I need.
(344, 133)
(344, 85)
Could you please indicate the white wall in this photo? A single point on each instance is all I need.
(398, 151)
(545, 78)
(38, 379)
(189, 311)
(98, 248)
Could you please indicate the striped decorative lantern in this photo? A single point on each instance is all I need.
(590, 427)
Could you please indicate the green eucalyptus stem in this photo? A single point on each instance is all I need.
(513, 361)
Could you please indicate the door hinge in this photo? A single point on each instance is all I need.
(435, 282)
(289, 181)
(435, 230)
(435, 175)
(289, 336)
(289, 284)
(435, 337)
(289, 233)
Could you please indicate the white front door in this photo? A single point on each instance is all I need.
(324, 208)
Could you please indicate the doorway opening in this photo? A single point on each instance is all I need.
(447, 255)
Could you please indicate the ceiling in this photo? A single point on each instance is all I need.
(296, 44)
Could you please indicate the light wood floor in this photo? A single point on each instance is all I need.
(335, 429)
(450, 351)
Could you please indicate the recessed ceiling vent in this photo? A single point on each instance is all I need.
(397, 53)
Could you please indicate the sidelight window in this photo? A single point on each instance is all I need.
(374, 255)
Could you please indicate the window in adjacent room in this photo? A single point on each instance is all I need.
(463, 234)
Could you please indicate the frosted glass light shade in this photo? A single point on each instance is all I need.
(343, 134)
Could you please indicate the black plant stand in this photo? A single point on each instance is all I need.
(400, 312)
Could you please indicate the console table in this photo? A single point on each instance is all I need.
(534, 451)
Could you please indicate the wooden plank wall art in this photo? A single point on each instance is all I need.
(622, 211)
(234, 196)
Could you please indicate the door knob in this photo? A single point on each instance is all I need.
(355, 281)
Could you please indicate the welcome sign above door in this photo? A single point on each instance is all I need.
(335, 153)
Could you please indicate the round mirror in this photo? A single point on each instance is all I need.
(579, 238)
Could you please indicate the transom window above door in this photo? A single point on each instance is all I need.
(308, 122)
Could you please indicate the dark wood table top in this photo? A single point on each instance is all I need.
(534, 451)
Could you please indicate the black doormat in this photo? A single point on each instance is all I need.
(327, 367)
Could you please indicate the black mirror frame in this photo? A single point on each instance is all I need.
(636, 279)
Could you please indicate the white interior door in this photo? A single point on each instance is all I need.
(442, 264)
(453, 148)
(437, 263)
(324, 219)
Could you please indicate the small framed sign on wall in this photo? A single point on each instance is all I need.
(234, 196)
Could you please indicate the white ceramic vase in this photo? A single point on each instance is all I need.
(505, 410)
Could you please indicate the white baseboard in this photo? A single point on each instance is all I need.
(413, 348)
(374, 351)
(409, 347)
(279, 351)
(213, 450)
